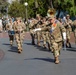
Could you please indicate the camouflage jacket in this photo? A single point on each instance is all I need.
(19, 27)
(68, 24)
(9, 26)
(55, 31)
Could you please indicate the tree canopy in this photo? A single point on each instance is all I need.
(3, 6)
(16, 9)
(65, 5)
(41, 7)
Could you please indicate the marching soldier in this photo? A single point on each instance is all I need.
(43, 33)
(55, 36)
(31, 27)
(9, 27)
(19, 28)
(67, 25)
(74, 29)
(47, 35)
(38, 18)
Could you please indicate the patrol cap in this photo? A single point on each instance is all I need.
(37, 15)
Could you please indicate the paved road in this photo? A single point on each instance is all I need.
(34, 60)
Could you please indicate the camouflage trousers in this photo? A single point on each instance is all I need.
(75, 35)
(56, 47)
(33, 38)
(68, 35)
(38, 37)
(68, 44)
(44, 37)
(48, 40)
(11, 38)
(19, 40)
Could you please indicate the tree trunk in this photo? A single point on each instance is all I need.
(59, 10)
(51, 3)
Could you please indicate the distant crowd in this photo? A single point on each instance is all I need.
(4, 22)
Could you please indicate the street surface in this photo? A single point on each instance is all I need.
(34, 60)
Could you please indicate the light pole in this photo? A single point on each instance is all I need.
(26, 4)
(36, 6)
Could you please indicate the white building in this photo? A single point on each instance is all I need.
(10, 1)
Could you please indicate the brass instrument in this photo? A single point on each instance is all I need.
(51, 12)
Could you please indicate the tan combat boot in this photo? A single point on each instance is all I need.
(56, 60)
(38, 43)
(44, 45)
(19, 51)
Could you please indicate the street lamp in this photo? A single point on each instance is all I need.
(26, 4)
(36, 6)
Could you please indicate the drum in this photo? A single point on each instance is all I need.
(11, 32)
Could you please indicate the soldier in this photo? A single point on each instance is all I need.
(50, 12)
(55, 33)
(38, 18)
(19, 28)
(67, 24)
(43, 33)
(4, 24)
(74, 29)
(47, 35)
(9, 27)
(31, 27)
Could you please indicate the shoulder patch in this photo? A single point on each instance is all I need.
(54, 25)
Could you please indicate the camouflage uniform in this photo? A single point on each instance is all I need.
(9, 27)
(48, 36)
(19, 28)
(74, 29)
(67, 25)
(56, 38)
(56, 29)
(31, 27)
(38, 18)
(55, 34)
(43, 33)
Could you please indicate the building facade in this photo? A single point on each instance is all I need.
(10, 1)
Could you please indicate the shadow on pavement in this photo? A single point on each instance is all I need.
(71, 49)
(28, 43)
(13, 49)
(41, 48)
(6, 44)
(43, 59)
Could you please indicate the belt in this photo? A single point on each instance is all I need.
(19, 32)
